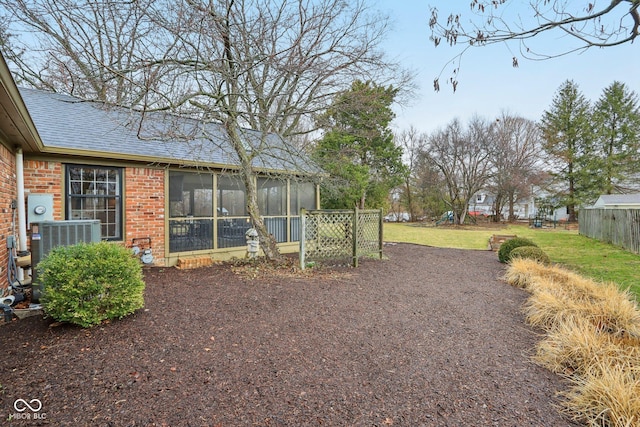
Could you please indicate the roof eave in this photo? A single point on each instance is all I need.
(16, 125)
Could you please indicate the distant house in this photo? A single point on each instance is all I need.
(169, 182)
(618, 201)
(482, 204)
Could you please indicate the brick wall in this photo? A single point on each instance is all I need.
(144, 200)
(144, 210)
(45, 177)
(7, 194)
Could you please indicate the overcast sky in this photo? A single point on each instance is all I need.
(488, 84)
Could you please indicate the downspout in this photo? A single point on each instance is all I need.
(22, 221)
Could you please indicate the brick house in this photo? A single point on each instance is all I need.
(153, 180)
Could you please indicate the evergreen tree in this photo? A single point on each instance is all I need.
(616, 119)
(358, 148)
(567, 139)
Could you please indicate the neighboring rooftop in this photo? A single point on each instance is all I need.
(615, 200)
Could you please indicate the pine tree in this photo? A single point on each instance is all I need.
(567, 139)
(616, 119)
(358, 148)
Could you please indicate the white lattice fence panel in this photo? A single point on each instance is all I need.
(329, 234)
(368, 232)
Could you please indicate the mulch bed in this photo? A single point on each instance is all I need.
(427, 337)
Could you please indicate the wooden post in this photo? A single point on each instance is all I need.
(380, 231)
(301, 236)
(354, 236)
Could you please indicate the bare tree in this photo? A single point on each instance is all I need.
(264, 65)
(267, 65)
(515, 155)
(591, 25)
(430, 188)
(412, 143)
(89, 49)
(463, 159)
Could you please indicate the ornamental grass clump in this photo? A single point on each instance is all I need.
(525, 273)
(606, 395)
(546, 308)
(592, 337)
(602, 304)
(504, 253)
(88, 283)
(573, 345)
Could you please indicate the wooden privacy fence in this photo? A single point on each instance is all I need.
(617, 226)
(339, 234)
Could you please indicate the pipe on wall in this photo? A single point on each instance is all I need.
(22, 214)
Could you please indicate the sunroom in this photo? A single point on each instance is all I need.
(207, 211)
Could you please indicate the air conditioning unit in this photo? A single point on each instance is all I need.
(46, 235)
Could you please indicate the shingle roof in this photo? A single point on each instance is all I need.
(68, 124)
(618, 199)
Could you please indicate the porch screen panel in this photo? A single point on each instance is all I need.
(190, 194)
(233, 221)
(303, 195)
(190, 211)
(272, 197)
(272, 202)
(232, 197)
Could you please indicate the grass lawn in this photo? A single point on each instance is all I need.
(589, 257)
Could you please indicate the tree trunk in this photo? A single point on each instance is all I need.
(511, 212)
(267, 240)
(497, 207)
(571, 205)
(463, 214)
(409, 201)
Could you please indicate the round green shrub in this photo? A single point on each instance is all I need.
(530, 252)
(504, 253)
(87, 283)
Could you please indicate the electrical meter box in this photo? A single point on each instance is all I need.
(39, 208)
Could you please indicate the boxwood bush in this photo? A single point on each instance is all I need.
(88, 283)
(530, 252)
(504, 253)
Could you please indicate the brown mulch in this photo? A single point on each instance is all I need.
(427, 337)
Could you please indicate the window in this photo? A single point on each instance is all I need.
(95, 193)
